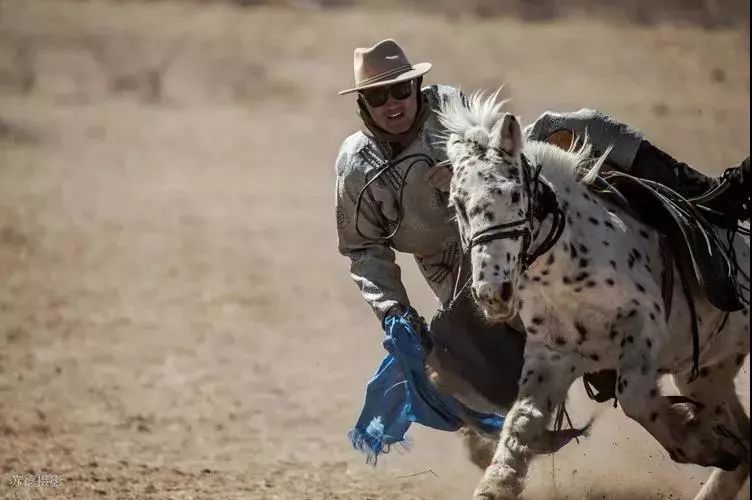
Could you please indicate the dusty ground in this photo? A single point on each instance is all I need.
(175, 321)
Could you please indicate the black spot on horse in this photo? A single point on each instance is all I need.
(610, 282)
(582, 248)
(583, 262)
(582, 276)
(537, 320)
(567, 280)
(609, 225)
(580, 328)
(559, 340)
(550, 259)
(644, 234)
(704, 371)
(573, 251)
(515, 197)
(640, 288)
(594, 221)
(613, 264)
(595, 357)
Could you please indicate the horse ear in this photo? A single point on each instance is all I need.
(510, 135)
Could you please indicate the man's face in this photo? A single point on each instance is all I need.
(393, 108)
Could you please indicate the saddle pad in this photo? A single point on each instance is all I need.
(691, 238)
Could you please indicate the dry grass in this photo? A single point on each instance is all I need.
(175, 321)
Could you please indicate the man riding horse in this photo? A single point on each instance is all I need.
(375, 217)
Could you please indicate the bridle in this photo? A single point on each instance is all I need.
(541, 202)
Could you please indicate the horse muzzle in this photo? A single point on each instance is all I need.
(496, 299)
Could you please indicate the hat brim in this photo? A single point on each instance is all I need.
(416, 71)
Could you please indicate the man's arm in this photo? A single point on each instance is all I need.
(372, 261)
(602, 131)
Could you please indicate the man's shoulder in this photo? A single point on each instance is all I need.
(351, 153)
(439, 94)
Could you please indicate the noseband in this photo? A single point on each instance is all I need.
(541, 202)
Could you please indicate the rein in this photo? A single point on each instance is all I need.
(388, 165)
(541, 202)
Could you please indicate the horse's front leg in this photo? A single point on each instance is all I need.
(545, 379)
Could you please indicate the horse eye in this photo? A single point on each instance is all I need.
(515, 197)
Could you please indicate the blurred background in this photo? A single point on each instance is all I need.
(175, 320)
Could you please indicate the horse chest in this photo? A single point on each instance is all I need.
(567, 325)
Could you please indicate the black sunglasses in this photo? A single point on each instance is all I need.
(377, 97)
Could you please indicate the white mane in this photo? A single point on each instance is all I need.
(477, 119)
(460, 116)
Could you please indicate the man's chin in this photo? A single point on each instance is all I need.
(398, 128)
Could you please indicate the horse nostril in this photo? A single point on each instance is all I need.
(506, 291)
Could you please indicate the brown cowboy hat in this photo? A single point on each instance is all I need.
(383, 64)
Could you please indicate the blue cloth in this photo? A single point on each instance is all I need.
(400, 393)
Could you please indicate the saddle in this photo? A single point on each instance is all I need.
(691, 240)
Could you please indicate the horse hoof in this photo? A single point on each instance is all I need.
(485, 492)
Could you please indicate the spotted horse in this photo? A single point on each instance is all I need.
(585, 277)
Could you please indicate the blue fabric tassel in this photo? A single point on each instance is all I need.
(400, 393)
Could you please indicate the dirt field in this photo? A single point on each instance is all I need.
(175, 320)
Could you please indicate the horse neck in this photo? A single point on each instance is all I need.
(570, 203)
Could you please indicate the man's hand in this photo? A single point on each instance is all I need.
(395, 310)
(440, 177)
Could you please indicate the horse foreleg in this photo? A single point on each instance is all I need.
(546, 377)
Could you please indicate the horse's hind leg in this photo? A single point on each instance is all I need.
(715, 390)
(689, 434)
